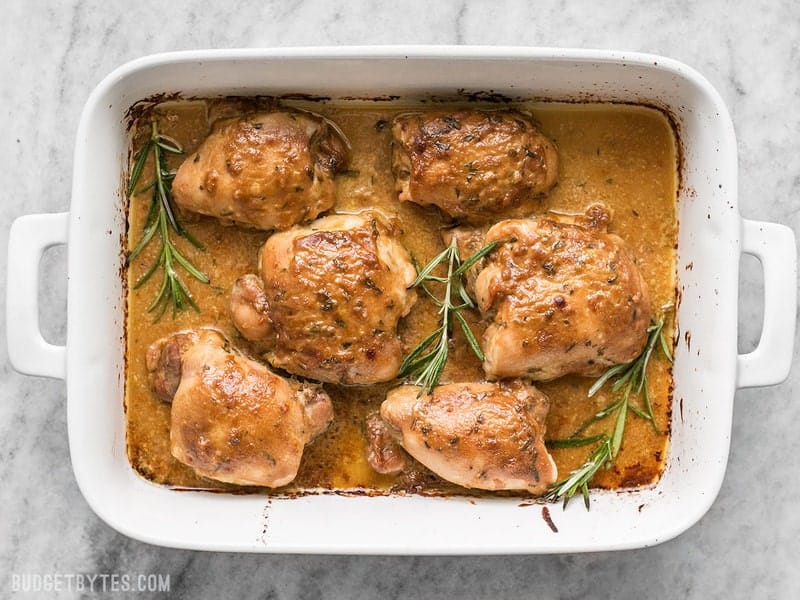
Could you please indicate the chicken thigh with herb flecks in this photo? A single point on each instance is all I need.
(473, 164)
(266, 170)
(487, 436)
(329, 300)
(232, 419)
(563, 297)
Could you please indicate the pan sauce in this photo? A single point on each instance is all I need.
(621, 155)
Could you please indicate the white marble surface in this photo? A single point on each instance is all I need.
(51, 56)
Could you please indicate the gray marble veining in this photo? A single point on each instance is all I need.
(51, 56)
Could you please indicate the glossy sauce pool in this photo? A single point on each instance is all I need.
(622, 156)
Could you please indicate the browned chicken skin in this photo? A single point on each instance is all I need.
(249, 308)
(333, 293)
(232, 419)
(267, 170)
(384, 453)
(487, 436)
(563, 298)
(473, 164)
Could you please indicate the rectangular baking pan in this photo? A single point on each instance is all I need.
(712, 236)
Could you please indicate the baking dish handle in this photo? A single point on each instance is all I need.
(28, 351)
(773, 245)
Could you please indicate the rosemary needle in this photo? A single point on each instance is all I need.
(161, 220)
(630, 381)
(427, 360)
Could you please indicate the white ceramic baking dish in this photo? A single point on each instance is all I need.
(712, 236)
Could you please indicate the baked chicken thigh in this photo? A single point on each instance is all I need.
(487, 436)
(562, 297)
(232, 419)
(473, 164)
(267, 170)
(329, 300)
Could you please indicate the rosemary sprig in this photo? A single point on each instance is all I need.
(161, 219)
(427, 361)
(630, 382)
(579, 479)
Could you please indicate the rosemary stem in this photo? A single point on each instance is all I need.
(630, 381)
(427, 365)
(161, 218)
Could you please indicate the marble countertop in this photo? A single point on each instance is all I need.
(53, 54)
